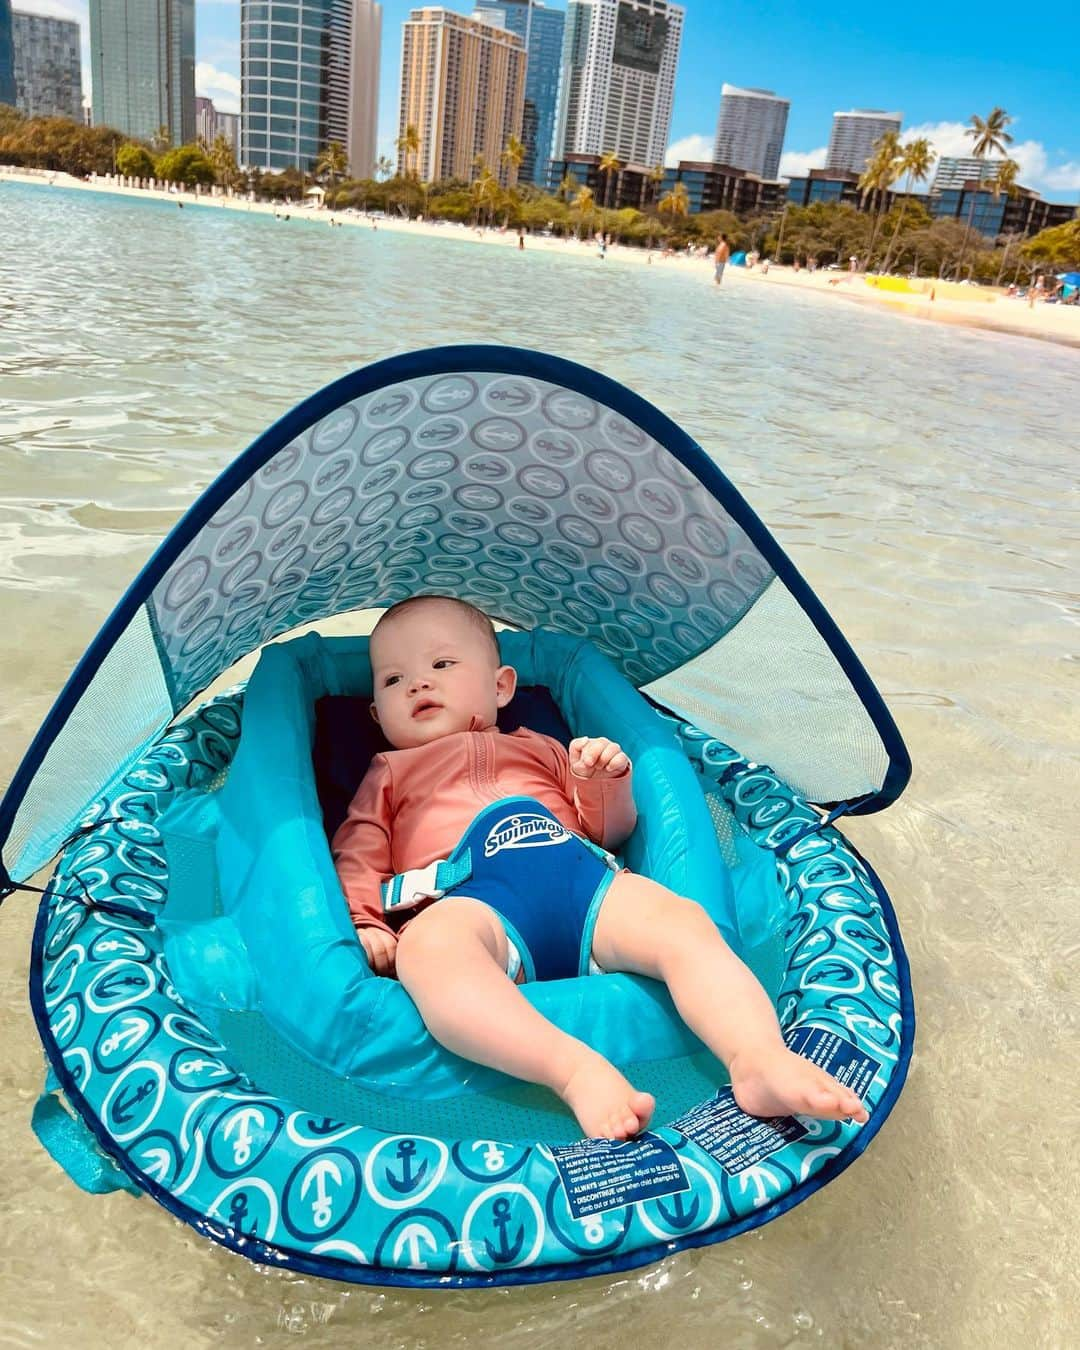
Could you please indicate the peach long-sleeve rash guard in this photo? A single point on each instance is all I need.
(414, 805)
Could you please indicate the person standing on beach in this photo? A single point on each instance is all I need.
(720, 258)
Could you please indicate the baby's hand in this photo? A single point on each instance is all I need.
(597, 757)
(380, 948)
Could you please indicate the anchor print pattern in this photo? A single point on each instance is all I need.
(275, 1179)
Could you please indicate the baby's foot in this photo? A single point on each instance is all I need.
(605, 1104)
(781, 1083)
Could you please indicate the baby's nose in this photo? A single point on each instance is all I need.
(419, 682)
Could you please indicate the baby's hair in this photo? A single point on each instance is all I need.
(476, 617)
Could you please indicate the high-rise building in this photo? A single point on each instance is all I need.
(228, 125)
(205, 119)
(955, 171)
(750, 130)
(854, 134)
(309, 74)
(48, 66)
(618, 79)
(542, 29)
(463, 89)
(142, 67)
(7, 56)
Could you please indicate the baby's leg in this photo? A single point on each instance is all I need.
(452, 961)
(644, 928)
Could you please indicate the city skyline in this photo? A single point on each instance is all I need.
(940, 70)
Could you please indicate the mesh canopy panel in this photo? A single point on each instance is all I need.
(538, 490)
(125, 703)
(774, 688)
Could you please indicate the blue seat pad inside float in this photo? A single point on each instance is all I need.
(271, 932)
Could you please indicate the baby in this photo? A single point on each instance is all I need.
(529, 890)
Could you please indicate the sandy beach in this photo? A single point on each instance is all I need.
(989, 310)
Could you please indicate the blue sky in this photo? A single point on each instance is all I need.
(937, 63)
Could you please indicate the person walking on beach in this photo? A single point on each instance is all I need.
(720, 258)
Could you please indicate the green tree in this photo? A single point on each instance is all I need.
(332, 163)
(610, 165)
(160, 140)
(408, 146)
(512, 157)
(224, 161)
(568, 184)
(989, 137)
(1055, 247)
(916, 160)
(384, 167)
(675, 203)
(584, 207)
(881, 172)
(186, 164)
(134, 161)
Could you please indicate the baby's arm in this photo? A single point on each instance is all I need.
(598, 779)
(362, 856)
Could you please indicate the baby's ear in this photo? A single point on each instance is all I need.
(505, 685)
(373, 711)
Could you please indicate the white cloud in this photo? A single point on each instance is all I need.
(1036, 171)
(797, 163)
(55, 9)
(1064, 177)
(220, 85)
(690, 147)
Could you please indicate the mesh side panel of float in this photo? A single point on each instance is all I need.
(773, 688)
(517, 1113)
(725, 826)
(125, 703)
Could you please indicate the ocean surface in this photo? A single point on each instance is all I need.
(923, 479)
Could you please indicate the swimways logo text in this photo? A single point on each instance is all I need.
(524, 832)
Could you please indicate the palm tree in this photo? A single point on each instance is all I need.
(656, 177)
(584, 205)
(916, 160)
(609, 164)
(224, 161)
(485, 192)
(568, 184)
(384, 167)
(676, 202)
(332, 163)
(990, 138)
(881, 172)
(408, 145)
(512, 157)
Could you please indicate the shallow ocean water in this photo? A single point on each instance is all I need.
(922, 478)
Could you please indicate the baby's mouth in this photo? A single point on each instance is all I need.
(426, 705)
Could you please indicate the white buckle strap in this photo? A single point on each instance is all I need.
(409, 889)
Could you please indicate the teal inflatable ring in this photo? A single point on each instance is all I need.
(169, 1112)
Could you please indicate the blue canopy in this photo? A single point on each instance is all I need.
(535, 488)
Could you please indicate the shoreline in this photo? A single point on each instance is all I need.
(1057, 324)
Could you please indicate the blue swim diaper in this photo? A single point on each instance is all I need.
(544, 883)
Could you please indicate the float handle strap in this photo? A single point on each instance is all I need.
(70, 1144)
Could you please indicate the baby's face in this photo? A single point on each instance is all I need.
(433, 672)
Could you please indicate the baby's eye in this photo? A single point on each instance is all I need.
(390, 679)
(443, 662)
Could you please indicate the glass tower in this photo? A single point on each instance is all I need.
(142, 66)
(48, 67)
(309, 74)
(7, 56)
(545, 39)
